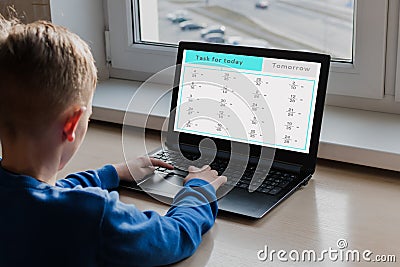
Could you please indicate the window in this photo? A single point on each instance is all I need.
(319, 26)
(143, 34)
(28, 11)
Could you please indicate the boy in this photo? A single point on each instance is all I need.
(47, 80)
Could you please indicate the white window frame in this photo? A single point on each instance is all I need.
(364, 78)
(397, 70)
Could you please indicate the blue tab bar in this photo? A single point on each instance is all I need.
(224, 60)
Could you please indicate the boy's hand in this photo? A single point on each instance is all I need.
(207, 174)
(138, 168)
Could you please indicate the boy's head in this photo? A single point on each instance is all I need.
(47, 77)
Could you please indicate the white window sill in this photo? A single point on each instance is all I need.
(349, 135)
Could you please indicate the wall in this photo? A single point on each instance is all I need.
(86, 18)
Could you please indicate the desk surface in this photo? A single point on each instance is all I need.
(358, 204)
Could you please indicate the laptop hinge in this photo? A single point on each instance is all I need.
(286, 167)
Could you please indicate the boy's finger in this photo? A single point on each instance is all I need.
(205, 168)
(195, 169)
(219, 181)
(223, 179)
(158, 162)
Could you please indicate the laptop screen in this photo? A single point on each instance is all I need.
(238, 97)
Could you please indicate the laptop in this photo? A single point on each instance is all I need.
(252, 114)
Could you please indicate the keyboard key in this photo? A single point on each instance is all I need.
(246, 182)
(283, 184)
(246, 179)
(272, 182)
(275, 191)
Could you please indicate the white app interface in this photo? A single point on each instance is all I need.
(235, 97)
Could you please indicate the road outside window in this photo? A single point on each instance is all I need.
(312, 25)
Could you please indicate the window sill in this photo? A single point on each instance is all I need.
(349, 135)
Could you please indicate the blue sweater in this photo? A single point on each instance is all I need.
(79, 223)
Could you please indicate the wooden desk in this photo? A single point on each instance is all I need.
(342, 201)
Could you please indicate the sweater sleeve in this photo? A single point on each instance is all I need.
(134, 238)
(105, 178)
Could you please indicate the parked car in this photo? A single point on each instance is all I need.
(179, 19)
(218, 38)
(238, 40)
(191, 25)
(262, 4)
(178, 13)
(213, 29)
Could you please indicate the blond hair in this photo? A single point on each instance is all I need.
(44, 69)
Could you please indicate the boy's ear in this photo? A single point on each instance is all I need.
(71, 124)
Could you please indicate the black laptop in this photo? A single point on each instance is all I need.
(253, 114)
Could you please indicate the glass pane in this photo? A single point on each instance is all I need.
(27, 10)
(312, 25)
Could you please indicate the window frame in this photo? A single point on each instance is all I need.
(364, 78)
(397, 71)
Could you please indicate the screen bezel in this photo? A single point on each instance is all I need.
(306, 160)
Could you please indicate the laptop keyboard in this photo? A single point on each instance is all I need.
(273, 183)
